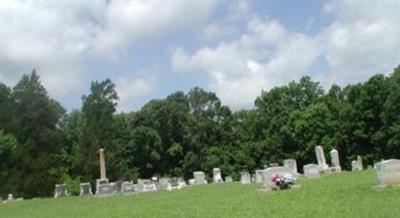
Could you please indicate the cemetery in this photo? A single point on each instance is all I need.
(199, 109)
(199, 199)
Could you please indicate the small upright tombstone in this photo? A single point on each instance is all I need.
(245, 178)
(163, 183)
(335, 161)
(60, 191)
(356, 165)
(228, 179)
(217, 178)
(199, 178)
(359, 162)
(10, 197)
(291, 164)
(85, 189)
(146, 185)
(127, 188)
(311, 171)
(388, 173)
(259, 176)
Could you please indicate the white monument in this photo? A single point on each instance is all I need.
(217, 178)
(388, 172)
(319, 152)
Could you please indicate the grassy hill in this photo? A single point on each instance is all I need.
(340, 195)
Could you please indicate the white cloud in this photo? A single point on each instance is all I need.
(364, 39)
(265, 56)
(127, 21)
(131, 88)
(215, 31)
(55, 37)
(50, 37)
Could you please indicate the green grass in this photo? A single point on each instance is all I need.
(340, 195)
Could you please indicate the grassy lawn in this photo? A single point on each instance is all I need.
(340, 195)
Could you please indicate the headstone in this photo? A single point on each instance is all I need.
(269, 172)
(105, 189)
(217, 178)
(103, 179)
(118, 186)
(163, 183)
(10, 197)
(127, 188)
(388, 172)
(199, 178)
(60, 191)
(319, 152)
(259, 176)
(245, 178)
(253, 177)
(181, 183)
(311, 171)
(146, 185)
(292, 165)
(359, 162)
(356, 166)
(192, 182)
(228, 179)
(335, 161)
(85, 189)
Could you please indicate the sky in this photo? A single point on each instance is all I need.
(236, 49)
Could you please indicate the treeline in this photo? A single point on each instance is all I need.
(41, 144)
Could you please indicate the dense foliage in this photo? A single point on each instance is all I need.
(41, 144)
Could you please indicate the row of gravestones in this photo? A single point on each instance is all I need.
(10, 199)
(124, 188)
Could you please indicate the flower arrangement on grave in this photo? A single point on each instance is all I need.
(285, 181)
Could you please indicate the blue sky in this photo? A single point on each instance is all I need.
(150, 49)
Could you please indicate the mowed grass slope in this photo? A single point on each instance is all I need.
(339, 195)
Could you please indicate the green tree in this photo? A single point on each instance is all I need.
(98, 109)
(37, 122)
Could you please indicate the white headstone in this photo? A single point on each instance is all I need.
(311, 171)
(60, 191)
(85, 189)
(291, 164)
(388, 172)
(163, 183)
(319, 152)
(228, 179)
(259, 176)
(10, 197)
(217, 175)
(245, 177)
(335, 160)
(127, 188)
(355, 166)
(199, 178)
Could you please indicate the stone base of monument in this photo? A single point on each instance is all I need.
(101, 182)
(105, 190)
